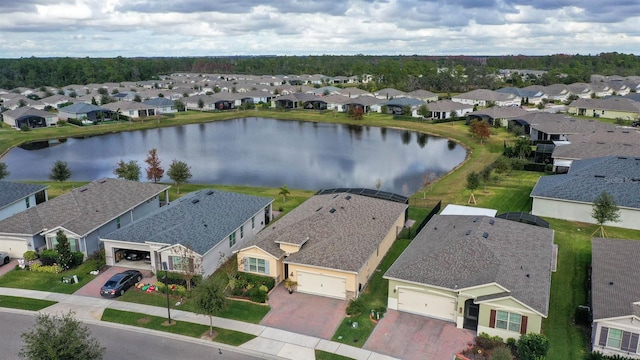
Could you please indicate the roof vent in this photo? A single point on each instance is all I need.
(348, 197)
(609, 131)
(102, 181)
(528, 275)
(83, 190)
(336, 195)
(485, 234)
(625, 131)
(195, 201)
(318, 209)
(468, 232)
(622, 158)
(332, 210)
(600, 176)
(610, 282)
(476, 219)
(492, 221)
(209, 192)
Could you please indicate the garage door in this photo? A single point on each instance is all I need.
(15, 248)
(435, 306)
(324, 285)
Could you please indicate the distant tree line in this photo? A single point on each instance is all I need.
(435, 73)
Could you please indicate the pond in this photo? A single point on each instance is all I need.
(257, 152)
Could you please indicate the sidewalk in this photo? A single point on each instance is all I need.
(269, 341)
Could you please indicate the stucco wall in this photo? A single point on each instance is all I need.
(275, 266)
(17, 207)
(575, 211)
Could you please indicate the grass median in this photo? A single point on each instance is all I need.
(14, 302)
(224, 336)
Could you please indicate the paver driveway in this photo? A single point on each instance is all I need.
(92, 288)
(409, 336)
(306, 314)
(8, 267)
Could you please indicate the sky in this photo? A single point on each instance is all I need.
(129, 28)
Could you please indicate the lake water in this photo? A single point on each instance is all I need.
(258, 152)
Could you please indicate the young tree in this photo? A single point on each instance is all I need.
(154, 170)
(473, 181)
(60, 172)
(60, 337)
(605, 210)
(3, 171)
(209, 299)
(284, 191)
(200, 104)
(137, 98)
(179, 172)
(190, 264)
(64, 251)
(128, 171)
(480, 129)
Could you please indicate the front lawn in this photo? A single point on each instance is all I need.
(323, 355)
(236, 310)
(24, 279)
(14, 302)
(224, 336)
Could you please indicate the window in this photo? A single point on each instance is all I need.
(232, 239)
(256, 265)
(619, 340)
(118, 222)
(253, 222)
(26, 200)
(508, 321)
(181, 263)
(614, 339)
(241, 231)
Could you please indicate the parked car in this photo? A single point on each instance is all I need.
(4, 258)
(134, 255)
(119, 283)
(636, 123)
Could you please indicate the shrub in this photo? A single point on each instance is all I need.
(257, 295)
(257, 280)
(263, 288)
(178, 279)
(30, 255)
(52, 269)
(532, 347)
(501, 353)
(99, 256)
(512, 345)
(488, 342)
(175, 289)
(49, 257)
(355, 307)
(77, 258)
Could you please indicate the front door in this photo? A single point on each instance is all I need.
(471, 312)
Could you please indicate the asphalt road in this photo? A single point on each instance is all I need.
(120, 343)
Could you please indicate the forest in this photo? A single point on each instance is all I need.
(436, 73)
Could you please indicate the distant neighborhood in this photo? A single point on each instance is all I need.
(469, 269)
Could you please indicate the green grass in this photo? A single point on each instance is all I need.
(31, 280)
(237, 310)
(224, 336)
(374, 296)
(509, 192)
(14, 302)
(323, 355)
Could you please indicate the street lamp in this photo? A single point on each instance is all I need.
(166, 286)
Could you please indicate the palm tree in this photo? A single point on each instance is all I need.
(284, 191)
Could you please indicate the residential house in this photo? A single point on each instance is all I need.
(83, 214)
(389, 93)
(16, 197)
(486, 274)
(131, 109)
(528, 96)
(354, 92)
(553, 127)
(29, 117)
(619, 88)
(444, 109)
(570, 196)
(423, 95)
(55, 101)
(210, 223)
(610, 108)
(397, 106)
(601, 89)
(162, 105)
(615, 297)
(83, 111)
(367, 103)
(619, 141)
(581, 90)
(558, 92)
(484, 97)
(497, 116)
(331, 244)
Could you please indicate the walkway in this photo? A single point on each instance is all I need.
(270, 342)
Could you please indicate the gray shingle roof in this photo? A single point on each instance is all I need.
(83, 209)
(343, 239)
(615, 282)
(159, 101)
(27, 111)
(514, 255)
(404, 101)
(612, 103)
(600, 143)
(586, 179)
(562, 124)
(200, 219)
(11, 192)
(81, 108)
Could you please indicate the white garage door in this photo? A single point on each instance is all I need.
(324, 285)
(15, 248)
(435, 306)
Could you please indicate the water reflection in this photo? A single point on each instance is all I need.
(259, 152)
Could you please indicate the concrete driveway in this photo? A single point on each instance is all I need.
(92, 288)
(306, 314)
(409, 336)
